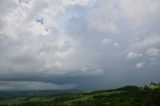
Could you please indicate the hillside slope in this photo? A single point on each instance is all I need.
(125, 96)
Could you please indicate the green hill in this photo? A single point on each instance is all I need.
(148, 95)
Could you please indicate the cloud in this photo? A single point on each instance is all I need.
(103, 22)
(106, 41)
(153, 52)
(116, 44)
(147, 42)
(134, 12)
(153, 55)
(76, 41)
(140, 65)
(133, 55)
(35, 51)
(33, 85)
(76, 2)
(91, 71)
(138, 12)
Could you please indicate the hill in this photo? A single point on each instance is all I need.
(125, 96)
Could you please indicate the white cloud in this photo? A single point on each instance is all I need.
(76, 2)
(29, 49)
(139, 11)
(54, 65)
(133, 55)
(147, 42)
(106, 41)
(153, 55)
(153, 52)
(103, 17)
(140, 65)
(88, 71)
(116, 44)
(107, 14)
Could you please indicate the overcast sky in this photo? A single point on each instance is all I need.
(78, 44)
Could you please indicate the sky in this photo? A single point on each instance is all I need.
(78, 44)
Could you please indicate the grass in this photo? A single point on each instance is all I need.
(125, 96)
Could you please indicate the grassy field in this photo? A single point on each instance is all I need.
(125, 96)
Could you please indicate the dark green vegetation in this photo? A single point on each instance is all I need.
(125, 96)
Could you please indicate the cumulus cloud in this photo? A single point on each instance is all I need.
(153, 55)
(76, 2)
(100, 21)
(153, 52)
(133, 55)
(106, 41)
(140, 65)
(116, 44)
(35, 51)
(139, 11)
(147, 42)
(91, 71)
